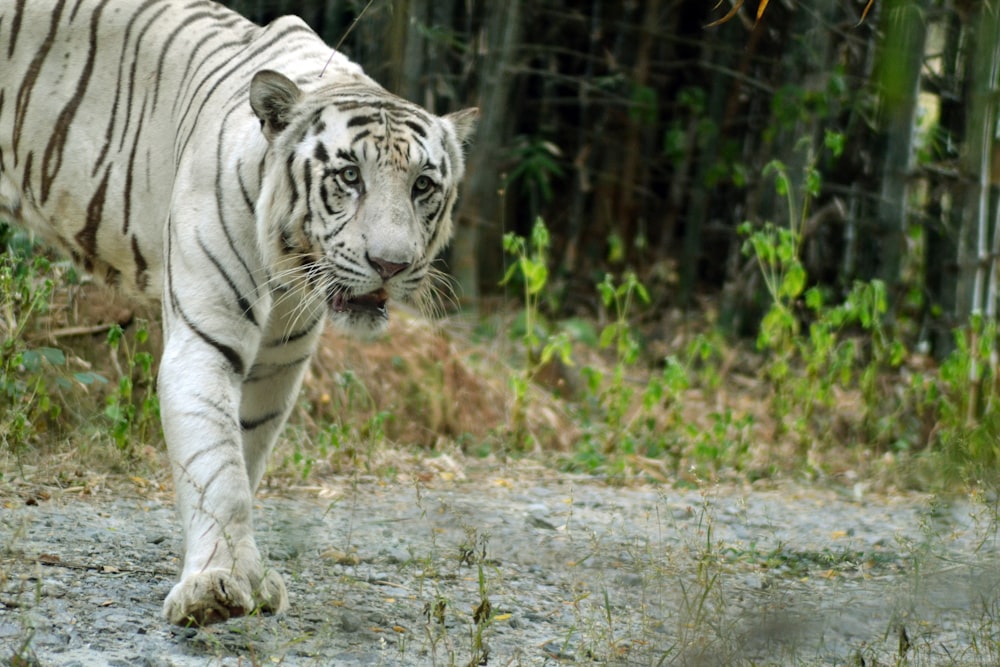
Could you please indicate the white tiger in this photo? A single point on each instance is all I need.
(252, 181)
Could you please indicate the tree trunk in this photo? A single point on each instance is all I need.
(973, 259)
(944, 213)
(899, 80)
(478, 232)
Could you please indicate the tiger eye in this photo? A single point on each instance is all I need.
(350, 175)
(422, 184)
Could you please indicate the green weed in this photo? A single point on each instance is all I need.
(541, 344)
(132, 409)
(32, 376)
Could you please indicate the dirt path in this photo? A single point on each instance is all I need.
(573, 571)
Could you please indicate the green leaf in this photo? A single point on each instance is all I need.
(512, 243)
(642, 292)
(52, 355)
(794, 282)
(115, 334)
(814, 181)
(510, 273)
(608, 335)
(607, 290)
(540, 236)
(834, 141)
(88, 378)
(537, 276)
(814, 299)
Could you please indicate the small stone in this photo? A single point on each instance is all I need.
(350, 622)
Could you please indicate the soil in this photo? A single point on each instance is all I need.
(516, 566)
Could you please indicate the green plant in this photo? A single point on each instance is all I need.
(540, 343)
(960, 404)
(132, 409)
(615, 395)
(536, 164)
(776, 250)
(32, 377)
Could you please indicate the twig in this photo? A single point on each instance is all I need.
(80, 330)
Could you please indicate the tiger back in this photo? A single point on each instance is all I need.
(255, 183)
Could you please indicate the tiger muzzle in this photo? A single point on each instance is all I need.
(373, 302)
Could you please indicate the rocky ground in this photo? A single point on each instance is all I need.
(519, 568)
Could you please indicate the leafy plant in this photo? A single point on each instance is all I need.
(536, 164)
(540, 343)
(31, 376)
(619, 336)
(132, 408)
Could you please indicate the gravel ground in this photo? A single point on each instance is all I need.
(524, 569)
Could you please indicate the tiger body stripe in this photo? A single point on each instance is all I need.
(194, 159)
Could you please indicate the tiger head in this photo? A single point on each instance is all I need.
(357, 194)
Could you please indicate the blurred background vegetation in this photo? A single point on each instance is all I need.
(695, 236)
(639, 131)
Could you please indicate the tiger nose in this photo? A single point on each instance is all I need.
(385, 268)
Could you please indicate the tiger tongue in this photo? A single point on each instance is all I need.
(373, 301)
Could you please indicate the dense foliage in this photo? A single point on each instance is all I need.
(666, 185)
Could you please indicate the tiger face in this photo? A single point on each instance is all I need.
(357, 195)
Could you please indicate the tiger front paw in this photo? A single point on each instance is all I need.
(215, 596)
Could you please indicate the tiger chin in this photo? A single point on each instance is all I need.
(253, 182)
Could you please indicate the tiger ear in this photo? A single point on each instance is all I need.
(464, 122)
(272, 98)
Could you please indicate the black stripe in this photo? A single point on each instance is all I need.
(240, 62)
(360, 135)
(290, 172)
(362, 120)
(382, 104)
(15, 27)
(349, 156)
(86, 238)
(129, 172)
(26, 181)
(231, 355)
(187, 77)
(76, 8)
(119, 87)
(228, 463)
(432, 216)
(307, 178)
(139, 44)
(52, 159)
(220, 195)
(218, 27)
(277, 369)
(245, 308)
(141, 277)
(247, 199)
(437, 228)
(251, 424)
(294, 336)
(31, 76)
(203, 450)
(320, 153)
(184, 26)
(416, 127)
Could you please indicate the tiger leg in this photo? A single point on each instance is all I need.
(269, 393)
(200, 395)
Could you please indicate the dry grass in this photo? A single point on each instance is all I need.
(431, 387)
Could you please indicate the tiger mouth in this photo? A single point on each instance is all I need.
(372, 302)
